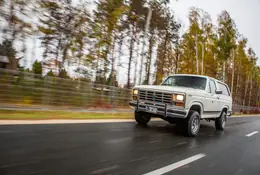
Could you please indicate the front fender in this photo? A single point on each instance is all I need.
(196, 103)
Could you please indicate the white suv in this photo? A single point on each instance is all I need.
(184, 100)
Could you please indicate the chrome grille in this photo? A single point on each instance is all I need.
(153, 96)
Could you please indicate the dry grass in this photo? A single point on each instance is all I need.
(45, 115)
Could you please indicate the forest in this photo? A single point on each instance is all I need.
(138, 37)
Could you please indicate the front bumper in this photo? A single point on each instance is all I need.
(163, 110)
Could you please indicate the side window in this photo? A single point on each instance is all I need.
(224, 89)
(212, 86)
(208, 87)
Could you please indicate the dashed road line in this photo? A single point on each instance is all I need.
(105, 170)
(251, 134)
(176, 165)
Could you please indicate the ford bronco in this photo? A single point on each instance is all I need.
(184, 100)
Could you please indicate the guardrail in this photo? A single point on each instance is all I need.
(23, 90)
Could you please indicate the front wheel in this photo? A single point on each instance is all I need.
(192, 124)
(142, 118)
(220, 122)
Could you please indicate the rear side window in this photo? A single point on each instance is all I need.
(213, 87)
(224, 89)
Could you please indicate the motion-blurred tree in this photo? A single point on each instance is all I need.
(50, 74)
(133, 25)
(7, 49)
(37, 67)
(64, 27)
(104, 28)
(165, 52)
(63, 74)
(158, 24)
(18, 29)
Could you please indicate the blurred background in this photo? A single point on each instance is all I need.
(80, 54)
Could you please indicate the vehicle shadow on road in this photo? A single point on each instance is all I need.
(206, 129)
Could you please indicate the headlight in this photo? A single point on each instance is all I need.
(135, 92)
(178, 97)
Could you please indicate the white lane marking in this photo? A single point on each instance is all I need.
(176, 165)
(252, 133)
(105, 170)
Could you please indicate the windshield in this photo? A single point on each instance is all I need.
(186, 81)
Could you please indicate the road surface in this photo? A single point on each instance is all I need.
(126, 148)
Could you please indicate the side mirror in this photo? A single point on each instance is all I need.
(218, 92)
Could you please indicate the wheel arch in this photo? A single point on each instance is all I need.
(225, 108)
(196, 106)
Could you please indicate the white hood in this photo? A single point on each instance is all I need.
(165, 88)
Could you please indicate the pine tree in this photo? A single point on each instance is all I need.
(37, 68)
(226, 42)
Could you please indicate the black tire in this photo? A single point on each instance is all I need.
(192, 124)
(221, 121)
(142, 118)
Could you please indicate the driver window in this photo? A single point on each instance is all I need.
(170, 82)
(213, 87)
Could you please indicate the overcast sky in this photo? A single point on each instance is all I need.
(246, 14)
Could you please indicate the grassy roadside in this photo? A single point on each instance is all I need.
(46, 115)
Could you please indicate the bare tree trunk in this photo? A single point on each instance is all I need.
(57, 54)
(238, 83)
(202, 59)
(233, 71)
(112, 79)
(245, 93)
(250, 92)
(147, 25)
(130, 59)
(136, 62)
(257, 98)
(64, 56)
(149, 60)
(120, 54)
(177, 60)
(224, 71)
(160, 61)
(97, 67)
(142, 62)
(197, 55)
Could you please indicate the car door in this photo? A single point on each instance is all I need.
(214, 103)
(225, 96)
(211, 100)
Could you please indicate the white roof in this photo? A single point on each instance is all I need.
(195, 75)
(4, 59)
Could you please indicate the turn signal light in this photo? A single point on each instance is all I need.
(179, 104)
(134, 97)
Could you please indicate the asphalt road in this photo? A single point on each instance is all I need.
(126, 148)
